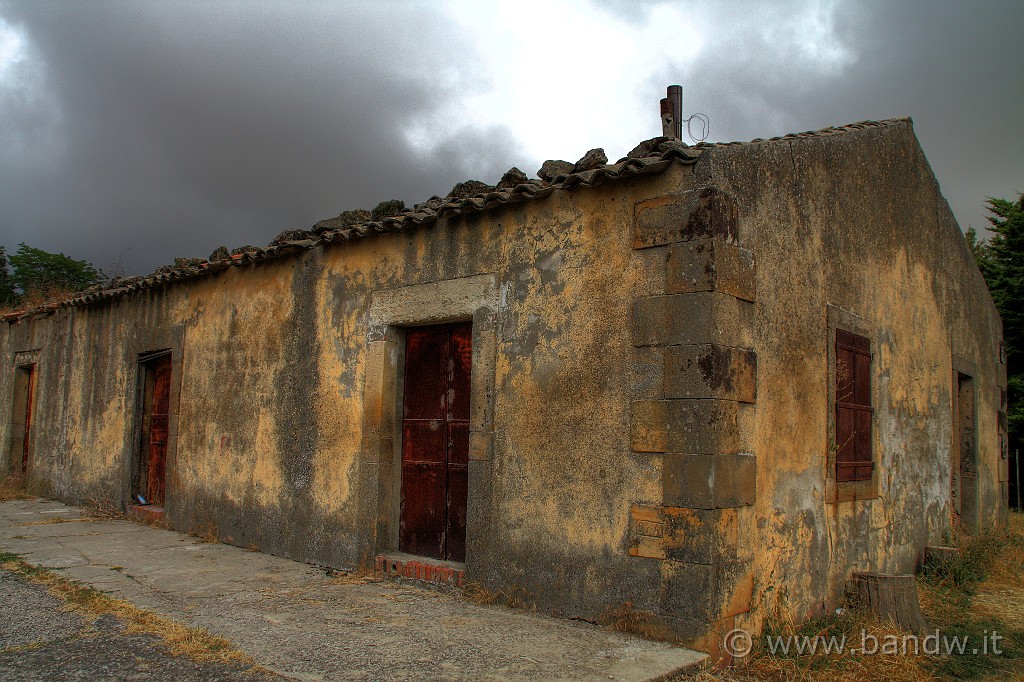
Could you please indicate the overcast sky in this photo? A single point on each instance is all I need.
(135, 132)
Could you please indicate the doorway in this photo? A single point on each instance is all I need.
(150, 480)
(435, 441)
(965, 453)
(21, 424)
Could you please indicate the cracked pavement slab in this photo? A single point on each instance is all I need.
(295, 620)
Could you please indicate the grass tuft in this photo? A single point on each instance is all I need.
(12, 487)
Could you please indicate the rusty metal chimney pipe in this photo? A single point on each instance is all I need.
(672, 113)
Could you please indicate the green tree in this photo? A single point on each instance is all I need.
(1001, 260)
(981, 252)
(8, 296)
(38, 272)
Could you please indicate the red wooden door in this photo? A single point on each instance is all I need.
(26, 443)
(158, 426)
(435, 441)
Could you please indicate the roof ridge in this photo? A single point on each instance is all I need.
(821, 132)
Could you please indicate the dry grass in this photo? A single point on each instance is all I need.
(627, 619)
(353, 578)
(196, 643)
(104, 508)
(475, 593)
(12, 487)
(845, 667)
(1001, 595)
(516, 598)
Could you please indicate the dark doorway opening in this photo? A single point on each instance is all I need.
(965, 451)
(20, 448)
(435, 441)
(150, 480)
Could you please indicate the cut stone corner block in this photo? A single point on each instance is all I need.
(710, 481)
(710, 371)
(711, 265)
(706, 593)
(692, 426)
(699, 536)
(700, 317)
(697, 213)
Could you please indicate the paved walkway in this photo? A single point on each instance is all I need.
(296, 621)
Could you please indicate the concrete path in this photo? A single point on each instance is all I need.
(298, 622)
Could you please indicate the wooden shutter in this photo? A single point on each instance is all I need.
(854, 460)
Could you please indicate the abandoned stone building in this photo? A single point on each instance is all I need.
(704, 383)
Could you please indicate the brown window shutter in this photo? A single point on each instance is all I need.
(854, 459)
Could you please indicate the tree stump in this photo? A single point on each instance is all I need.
(891, 597)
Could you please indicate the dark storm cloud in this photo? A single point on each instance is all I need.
(166, 129)
(955, 68)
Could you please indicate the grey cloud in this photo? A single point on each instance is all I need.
(191, 125)
(169, 128)
(953, 67)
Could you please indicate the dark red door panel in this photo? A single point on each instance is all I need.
(423, 510)
(158, 429)
(459, 363)
(435, 441)
(426, 359)
(423, 442)
(455, 531)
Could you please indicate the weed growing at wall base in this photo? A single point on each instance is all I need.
(12, 487)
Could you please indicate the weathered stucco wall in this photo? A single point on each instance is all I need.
(853, 228)
(270, 428)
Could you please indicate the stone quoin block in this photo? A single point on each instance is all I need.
(695, 318)
(648, 531)
(709, 481)
(692, 426)
(705, 593)
(698, 536)
(701, 536)
(696, 214)
(710, 265)
(710, 371)
(687, 591)
(648, 427)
